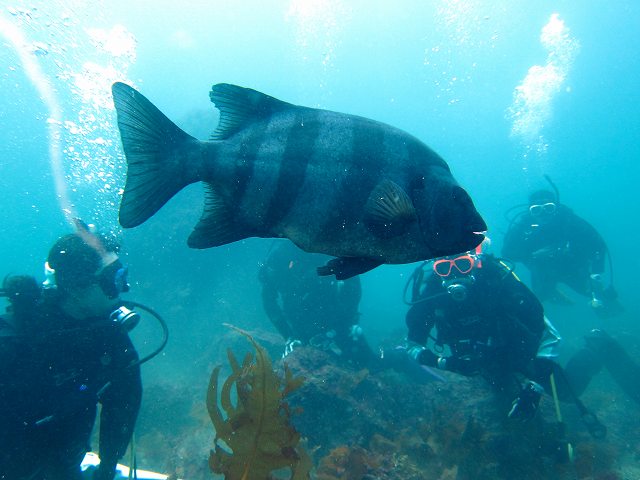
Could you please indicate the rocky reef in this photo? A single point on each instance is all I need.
(359, 424)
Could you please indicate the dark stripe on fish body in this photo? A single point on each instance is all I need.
(367, 153)
(246, 162)
(293, 167)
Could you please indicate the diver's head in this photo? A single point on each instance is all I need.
(457, 272)
(86, 271)
(542, 206)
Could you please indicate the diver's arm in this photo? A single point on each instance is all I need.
(419, 322)
(522, 320)
(11, 400)
(595, 248)
(120, 405)
(274, 311)
(352, 294)
(348, 295)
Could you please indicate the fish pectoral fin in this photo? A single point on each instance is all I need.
(217, 226)
(240, 107)
(347, 267)
(389, 211)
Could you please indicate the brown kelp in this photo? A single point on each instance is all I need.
(256, 437)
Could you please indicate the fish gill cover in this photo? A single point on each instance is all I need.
(257, 429)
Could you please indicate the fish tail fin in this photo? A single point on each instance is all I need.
(153, 146)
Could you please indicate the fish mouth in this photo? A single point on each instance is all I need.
(475, 238)
(466, 243)
(471, 240)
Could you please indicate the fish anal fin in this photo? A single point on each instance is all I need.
(218, 225)
(240, 107)
(389, 211)
(347, 267)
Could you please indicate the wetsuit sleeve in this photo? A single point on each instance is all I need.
(349, 297)
(120, 403)
(587, 243)
(9, 419)
(420, 320)
(523, 324)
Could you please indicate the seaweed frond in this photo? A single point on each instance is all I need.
(255, 436)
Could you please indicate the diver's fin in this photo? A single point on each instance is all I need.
(240, 107)
(624, 369)
(150, 142)
(389, 211)
(217, 226)
(347, 267)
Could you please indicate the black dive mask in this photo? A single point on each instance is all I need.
(113, 279)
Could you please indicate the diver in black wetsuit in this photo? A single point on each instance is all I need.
(558, 246)
(63, 350)
(308, 309)
(603, 351)
(486, 322)
(471, 315)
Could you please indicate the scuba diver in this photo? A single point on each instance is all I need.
(64, 347)
(308, 309)
(471, 315)
(560, 247)
(557, 246)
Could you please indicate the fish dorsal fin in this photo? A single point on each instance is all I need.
(389, 211)
(240, 107)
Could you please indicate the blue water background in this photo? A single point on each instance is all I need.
(444, 71)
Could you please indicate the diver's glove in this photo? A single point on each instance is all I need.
(525, 406)
(597, 289)
(290, 344)
(401, 359)
(604, 301)
(465, 366)
(356, 332)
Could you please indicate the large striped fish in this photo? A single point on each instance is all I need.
(332, 183)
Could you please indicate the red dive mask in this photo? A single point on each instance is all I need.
(464, 264)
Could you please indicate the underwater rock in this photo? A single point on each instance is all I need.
(379, 425)
(391, 428)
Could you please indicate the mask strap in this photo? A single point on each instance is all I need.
(84, 231)
(479, 255)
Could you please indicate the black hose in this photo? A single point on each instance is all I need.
(163, 324)
(553, 186)
(610, 266)
(415, 280)
(509, 211)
